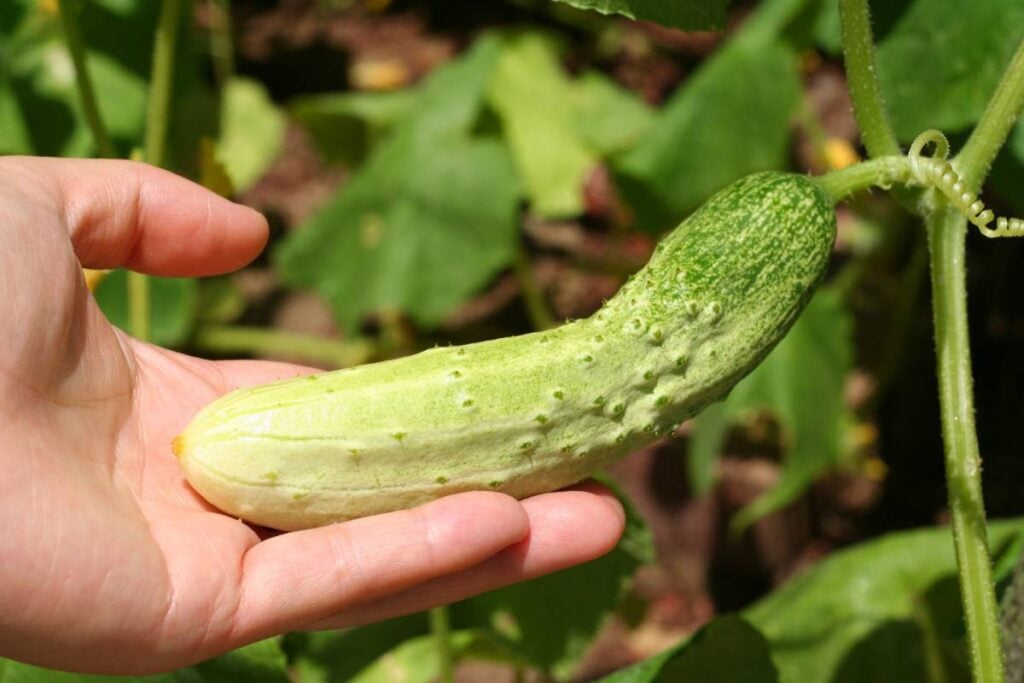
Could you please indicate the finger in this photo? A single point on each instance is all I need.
(300, 578)
(122, 213)
(235, 374)
(567, 528)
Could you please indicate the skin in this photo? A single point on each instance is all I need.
(109, 561)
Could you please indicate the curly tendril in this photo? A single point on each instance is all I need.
(936, 172)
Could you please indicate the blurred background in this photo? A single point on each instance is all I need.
(446, 172)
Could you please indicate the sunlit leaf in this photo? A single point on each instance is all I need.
(531, 94)
(427, 221)
(608, 118)
(886, 611)
(251, 131)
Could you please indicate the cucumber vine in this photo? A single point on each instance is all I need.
(939, 174)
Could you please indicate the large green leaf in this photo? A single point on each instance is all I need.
(801, 383)
(325, 656)
(173, 306)
(552, 620)
(608, 118)
(727, 649)
(940, 60)
(686, 14)
(251, 131)
(731, 118)
(347, 125)
(427, 221)
(531, 94)
(884, 611)
(888, 610)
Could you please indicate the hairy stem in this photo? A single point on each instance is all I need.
(259, 340)
(946, 240)
(996, 122)
(862, 78)
(879, 172)
(440, 629)
(83, 82)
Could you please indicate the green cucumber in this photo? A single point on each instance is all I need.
(534, 413)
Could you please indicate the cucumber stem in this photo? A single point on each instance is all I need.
(880, 172)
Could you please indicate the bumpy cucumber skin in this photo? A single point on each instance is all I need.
(533, 413)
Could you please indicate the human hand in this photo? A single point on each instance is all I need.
(109, 561)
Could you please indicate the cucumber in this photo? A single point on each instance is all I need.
(533, 413)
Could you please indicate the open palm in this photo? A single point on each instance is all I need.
(109, 561)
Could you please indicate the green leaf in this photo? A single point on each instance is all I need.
(552, 620)
(727, 649)
(347, 125)
(887, 610)
(801, 383)
(39, 102)
(16, 672)
(251, 131)
(940, 60)
(730, 118)
(261, 662)
(321, 657)
(430, 218)
(685, 14)
(531, 94)
(608, 118)
(415, 660)
(172, 307)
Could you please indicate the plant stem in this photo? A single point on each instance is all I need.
(861, 76)
(946, 239)
(999, 117)
(440, 628)
(536, 308)
(86, 93)
(138, 305)
(157, 115)
(221, 42)
(259, 340)
(879, 172)
(161, 79)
